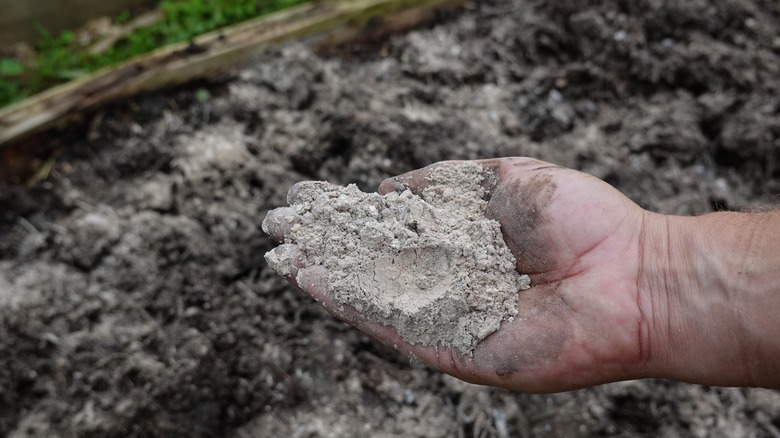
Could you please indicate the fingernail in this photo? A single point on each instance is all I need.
(278, 222)
(265, 226)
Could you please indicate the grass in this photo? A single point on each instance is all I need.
(60, 58)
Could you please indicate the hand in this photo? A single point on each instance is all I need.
(579, 240)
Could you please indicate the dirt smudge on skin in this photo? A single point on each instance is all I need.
(521, 207)
(540, 348)
(541, 330)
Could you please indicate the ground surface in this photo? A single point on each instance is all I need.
(134, 299)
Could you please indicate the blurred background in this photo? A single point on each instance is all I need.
(134, 298)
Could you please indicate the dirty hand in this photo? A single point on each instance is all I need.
(616, 294)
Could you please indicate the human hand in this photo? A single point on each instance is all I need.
(579, 240)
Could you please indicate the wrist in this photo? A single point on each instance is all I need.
(709, 290)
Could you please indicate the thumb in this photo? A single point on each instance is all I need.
(416, 180)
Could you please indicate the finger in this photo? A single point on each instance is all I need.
(294, 191)
(285, 259)
(416, 180)
(313, 281)
(297, 192)
(279, 222)
(505, 169)
(390, 185)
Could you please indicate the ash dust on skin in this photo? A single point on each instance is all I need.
(134, 299)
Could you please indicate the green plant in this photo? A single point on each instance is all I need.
(10, 71)
(10, 67)
(123, 17)
(62, 57)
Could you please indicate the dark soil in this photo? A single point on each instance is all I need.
(134, 299)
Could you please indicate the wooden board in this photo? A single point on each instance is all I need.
(207, 55)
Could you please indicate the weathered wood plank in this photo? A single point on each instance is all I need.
(180, 63)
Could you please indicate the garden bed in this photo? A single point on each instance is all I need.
(134, 299)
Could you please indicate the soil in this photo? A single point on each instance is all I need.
(134, 298)
(432, 266)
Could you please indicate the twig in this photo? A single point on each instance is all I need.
(28, 226)
(119, 32)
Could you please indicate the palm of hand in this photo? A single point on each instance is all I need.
(579, 325)
(577, 237)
